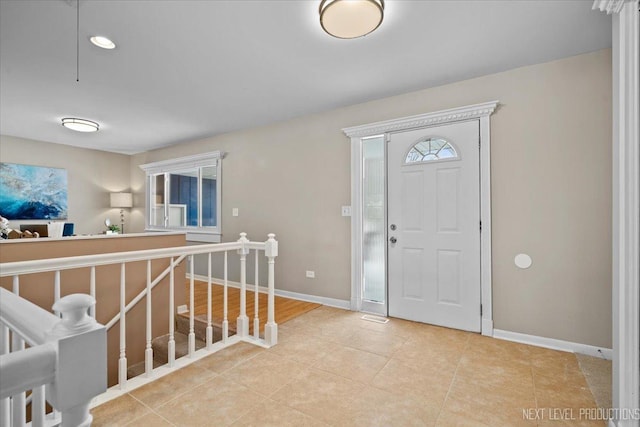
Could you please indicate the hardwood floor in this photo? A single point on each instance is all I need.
(286, 308)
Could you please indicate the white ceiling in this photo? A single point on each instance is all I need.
(185, 70)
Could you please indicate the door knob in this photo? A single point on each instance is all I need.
(393, 239)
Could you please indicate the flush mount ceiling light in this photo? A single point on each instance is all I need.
(349, 19)
(102, 42)
(80, 125)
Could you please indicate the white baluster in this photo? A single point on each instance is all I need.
(243, 320)
(171, 345)
(122, 362)
(56, 288)
(148, 352)
(209, 325)
(92, 290)
(18, 401)
(38, 407)
(5, 404)
(256, 319)
(271, 328)
(56, 298)
(192, 309)
(225, 322)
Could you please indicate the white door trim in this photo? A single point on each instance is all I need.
(626, 201)
(356, 133)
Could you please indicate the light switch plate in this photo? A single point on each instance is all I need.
(234, 212)
(346, 211)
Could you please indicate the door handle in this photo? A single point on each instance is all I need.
(393, 239)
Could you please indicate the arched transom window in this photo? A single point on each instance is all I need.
(431, 149)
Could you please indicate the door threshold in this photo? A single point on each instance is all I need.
(376, 319)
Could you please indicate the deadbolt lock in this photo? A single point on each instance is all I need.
(392, 227)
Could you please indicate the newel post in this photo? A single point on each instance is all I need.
(81, 368)
(271, 328)
(243, 320)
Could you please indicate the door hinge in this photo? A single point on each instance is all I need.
(480, 309)
(480, 225)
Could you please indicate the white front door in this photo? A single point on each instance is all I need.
(434, 225)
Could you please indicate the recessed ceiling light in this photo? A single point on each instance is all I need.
(102, 42)
(80, 125)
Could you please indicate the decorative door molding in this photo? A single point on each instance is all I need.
(482, 112)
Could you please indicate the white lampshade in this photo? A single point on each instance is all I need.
(349, 19)
(121, 200)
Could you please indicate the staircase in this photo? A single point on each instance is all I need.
(181, 338)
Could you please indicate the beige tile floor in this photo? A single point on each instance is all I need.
(333, 368)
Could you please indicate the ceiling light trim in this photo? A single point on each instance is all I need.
(332, 28)
(102, 42)
(80, 125)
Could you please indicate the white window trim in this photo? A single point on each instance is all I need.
(482, 112)
(194, 234)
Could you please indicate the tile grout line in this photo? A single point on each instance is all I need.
(153, 411)
(214, 373)
(298, 411)
(175, 396)
(533, 383)
(265, 398)
(455, 373)
(269, 396)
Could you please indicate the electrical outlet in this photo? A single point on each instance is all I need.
(311, 274)
(346, 211)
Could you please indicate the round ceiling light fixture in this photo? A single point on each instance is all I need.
(80, 125)
(102, 42)
(349, 19)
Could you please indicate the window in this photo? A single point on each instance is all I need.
(431, 149)
(184, 194)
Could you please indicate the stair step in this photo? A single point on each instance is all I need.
(160, 346)
(200, 326)
(139, 368)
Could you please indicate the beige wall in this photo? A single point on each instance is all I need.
(92, 175)
(551, 172)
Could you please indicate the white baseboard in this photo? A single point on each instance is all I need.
(331, 302)
(554, 344)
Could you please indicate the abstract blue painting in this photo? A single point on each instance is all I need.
(32, 192)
